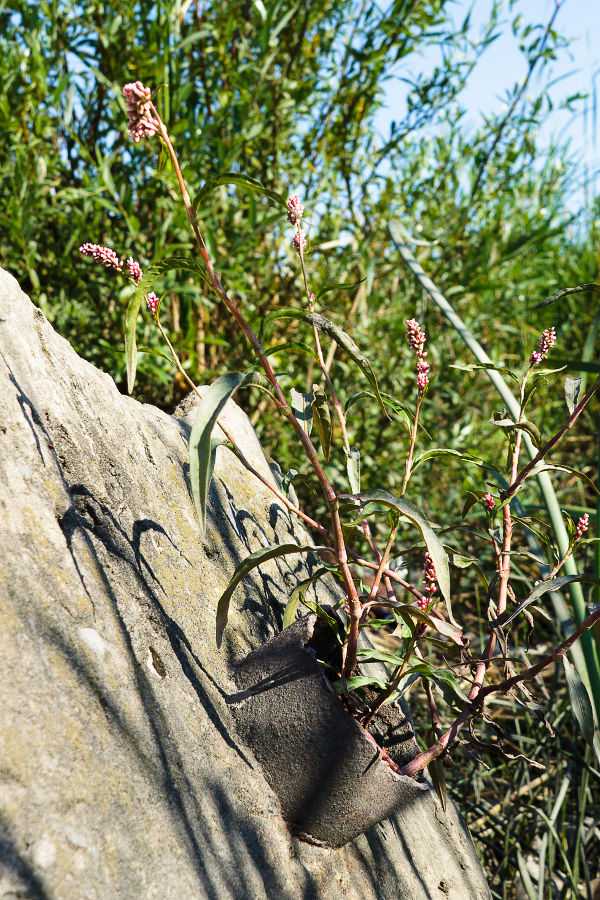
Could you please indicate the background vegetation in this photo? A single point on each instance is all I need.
(289, 94)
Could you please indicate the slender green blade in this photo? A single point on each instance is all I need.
(340, 337)
(580, 702)
(298, 594)
(251, 562)
(434, 545)
(244, 181)
(322, 419)
(553, 584)
(200, 449)
(135, 301)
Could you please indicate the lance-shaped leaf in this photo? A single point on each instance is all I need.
(531, 429)
(340, 337)
(434, 545)
(245, 181)
(302, 407)
(298, 595)
(340, 287)
(200, 448)
(322, 419)
(547, 467)
(251, 562)
(402, 410)
(135, 301)
(580, 702)
(442, 451)
(553, 584)
(358, 681)
(353, 469)
(579, 289)
(444, 680)
(572, 391)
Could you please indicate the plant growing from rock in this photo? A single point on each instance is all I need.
(378, 581)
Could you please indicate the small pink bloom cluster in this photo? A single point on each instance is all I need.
(430, 580)
(109, 258)
(416, 340)
(489, 502)
(582, 526)
(134, 269)
(152, 302)
(141, 120)
(299, 241)
(103, 255)
(546, 343)
(295, 210)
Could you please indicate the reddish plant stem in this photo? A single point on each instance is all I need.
(351, 647)
(526, 470)
(423, 759)
(411, 449)
(280, 496)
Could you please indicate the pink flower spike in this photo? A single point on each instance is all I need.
(416, 341)
(545, 344)
(430, 582)
(141, 120)
(582, 526)
(489, 502)
(416, 337)
(299, 241)
(295, 209)
(103, 255)
(134, 269)
(152, 302)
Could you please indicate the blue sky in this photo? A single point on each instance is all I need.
(577, 70)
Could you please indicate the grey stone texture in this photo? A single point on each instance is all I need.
(121, 773)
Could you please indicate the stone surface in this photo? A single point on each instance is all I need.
(121, 775)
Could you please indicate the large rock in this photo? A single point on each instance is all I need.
(121, 774)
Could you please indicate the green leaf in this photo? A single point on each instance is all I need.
(434, 545)
(260, 381)
(442, 677)
(369, 654)
(135, 301)
(245, 181)
(340, 337)
(251, 562)
(572, 391)
(531, 429)
(442, 451)
(402, 410)
(353, 469)
(298, 594)
(302, 407)
(547, 467)
(200, 444)
(579, 289)
(580, 702)
(358, 681)
(474, 367)
(341, 287)
(322, 419)
(292, 345)
(553, 584)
